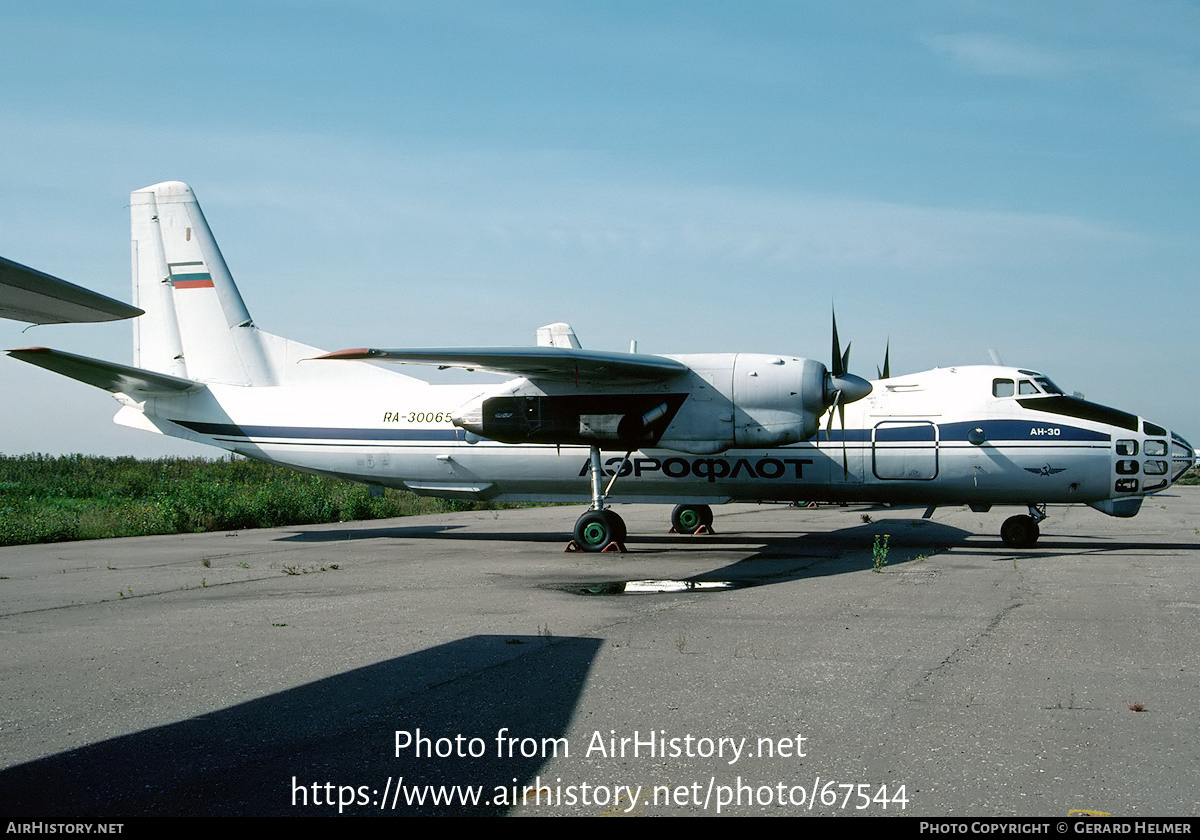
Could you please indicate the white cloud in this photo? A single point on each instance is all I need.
(1000, 55)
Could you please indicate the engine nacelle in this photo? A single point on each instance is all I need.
(610, 420)
(724, 401)
(776, 401)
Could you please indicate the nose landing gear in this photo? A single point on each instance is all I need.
(1023, 531)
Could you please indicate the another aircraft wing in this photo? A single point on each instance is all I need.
(27, 294)
(564, 364)
(120, 379)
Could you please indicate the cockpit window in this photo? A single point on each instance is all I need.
(1027, 387)
(1048, 386)
(1003, 388)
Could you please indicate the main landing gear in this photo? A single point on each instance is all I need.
(1023, 531)
(599, 529)
(691, 519)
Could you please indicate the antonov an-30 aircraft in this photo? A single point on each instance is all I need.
(575, 424)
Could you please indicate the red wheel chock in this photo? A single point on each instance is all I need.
(612, 548)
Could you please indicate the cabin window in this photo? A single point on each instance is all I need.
(1003, 388)
(1028, 387)
(1155, 448)
(1127, 448)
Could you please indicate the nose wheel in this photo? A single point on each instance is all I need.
(1023, 531)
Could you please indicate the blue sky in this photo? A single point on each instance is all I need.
(700, 176)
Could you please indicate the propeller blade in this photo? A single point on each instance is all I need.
(839, 365)
(837, 395)
(841, 386)
(886, 373)
(842, 419)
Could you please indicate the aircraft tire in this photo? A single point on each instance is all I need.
(595, 529)
(1020, 532)
(619, 532)
(687, 518)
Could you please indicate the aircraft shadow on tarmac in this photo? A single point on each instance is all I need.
(390, 532)
(782, 559)
(339, 730)
(479, 532)
(773, 557)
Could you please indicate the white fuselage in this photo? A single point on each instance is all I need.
(937, 437)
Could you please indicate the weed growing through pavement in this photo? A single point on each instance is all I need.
(879, 552)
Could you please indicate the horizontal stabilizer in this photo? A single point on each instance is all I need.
(27, 294)
(120, 379)
(563, 364)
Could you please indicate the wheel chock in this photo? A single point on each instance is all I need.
(612, 547)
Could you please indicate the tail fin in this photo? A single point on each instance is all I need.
(196, 325)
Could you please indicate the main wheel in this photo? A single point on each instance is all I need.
(686, 519)
(597, 528)
(616, 525)
(1020, 531)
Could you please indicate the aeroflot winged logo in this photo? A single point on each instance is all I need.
(1045, 470)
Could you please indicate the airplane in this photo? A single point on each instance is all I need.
(601, 427)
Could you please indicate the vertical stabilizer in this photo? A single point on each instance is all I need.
(196, 325)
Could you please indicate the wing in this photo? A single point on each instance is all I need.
(120, 379)
(27, 294)
(563, 364)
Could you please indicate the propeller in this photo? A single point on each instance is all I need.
(842, 387)
(886, 372)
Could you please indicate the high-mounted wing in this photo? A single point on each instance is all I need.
(27, 294)
(563, 364)
(120, 379)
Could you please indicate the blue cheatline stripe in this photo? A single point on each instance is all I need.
(1026, 430)
(318, 433)
(996, 431)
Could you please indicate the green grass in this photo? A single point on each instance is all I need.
(80, 497)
